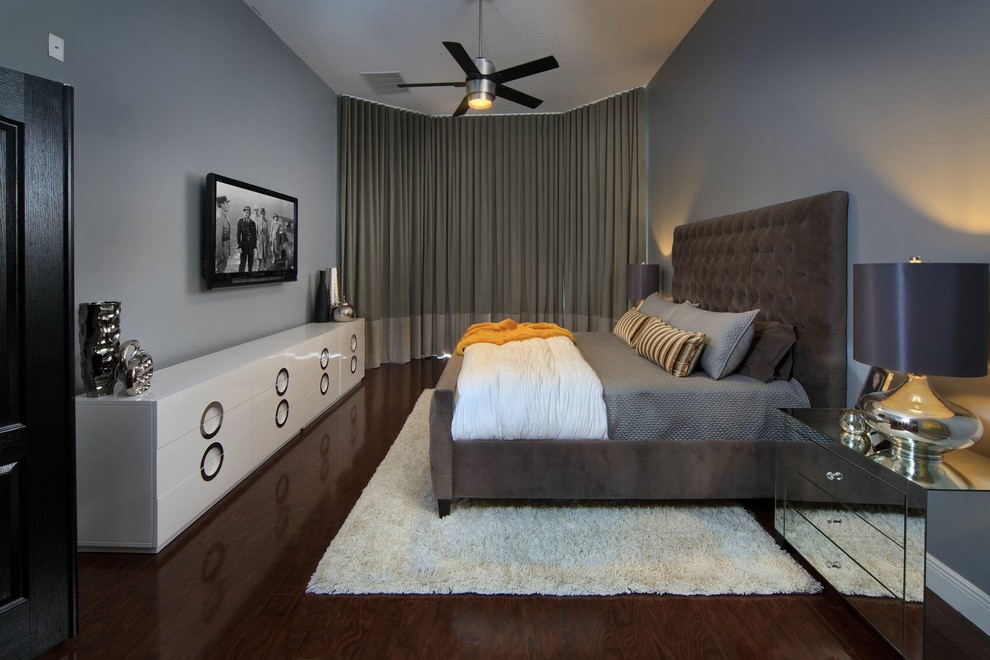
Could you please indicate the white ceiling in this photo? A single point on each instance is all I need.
(603, 46)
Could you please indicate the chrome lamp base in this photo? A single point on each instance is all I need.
(921, 425)
(927, 472)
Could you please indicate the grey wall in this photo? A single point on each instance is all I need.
(770, 100)
(166, 92)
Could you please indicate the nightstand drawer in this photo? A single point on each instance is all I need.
(842, 480)
(836, 566)
(873, 540)
(880, 607)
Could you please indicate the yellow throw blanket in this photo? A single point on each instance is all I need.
(508, 330)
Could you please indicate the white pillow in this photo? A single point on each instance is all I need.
(729, 336)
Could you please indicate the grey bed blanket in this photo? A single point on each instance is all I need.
(644, 402)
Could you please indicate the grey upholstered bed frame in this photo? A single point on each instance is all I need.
(788, 260)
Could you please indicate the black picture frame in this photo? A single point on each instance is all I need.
(238, 213)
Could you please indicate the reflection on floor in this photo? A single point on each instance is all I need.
(234, 583)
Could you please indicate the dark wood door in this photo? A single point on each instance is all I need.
(37, 440)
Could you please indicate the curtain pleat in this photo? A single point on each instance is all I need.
(447, 221)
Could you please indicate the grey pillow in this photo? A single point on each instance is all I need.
(729, 336)
(770, 357)
(654, 305)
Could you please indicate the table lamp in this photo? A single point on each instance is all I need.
(642, 280)
(923, 319)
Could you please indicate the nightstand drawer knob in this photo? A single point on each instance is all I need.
(834, 521)
(833, 476)
(833, 564)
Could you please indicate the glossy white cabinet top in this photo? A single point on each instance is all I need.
(184, 375)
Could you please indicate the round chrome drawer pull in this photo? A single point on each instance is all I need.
(834, 521)
(833, 564)
(282, 413)
(212, 461)
(324, 359)
(353, 364)
(353, 343)
(282, 381)
(833, 476)
(325, 384)
(211, 420)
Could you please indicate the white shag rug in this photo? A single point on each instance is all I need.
(394, 542)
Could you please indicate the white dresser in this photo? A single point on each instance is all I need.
(147, 466)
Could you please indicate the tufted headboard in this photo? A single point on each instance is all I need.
(788, 260)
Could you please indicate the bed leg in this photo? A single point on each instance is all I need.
(443, 507)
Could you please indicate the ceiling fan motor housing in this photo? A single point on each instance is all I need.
(481, 91)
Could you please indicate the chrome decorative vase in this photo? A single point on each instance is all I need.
(343, 311)
(136, 367)
(334, 288)
(101, 345)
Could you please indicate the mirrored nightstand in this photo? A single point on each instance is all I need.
(866, 522)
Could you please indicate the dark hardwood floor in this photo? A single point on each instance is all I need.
(233, 585)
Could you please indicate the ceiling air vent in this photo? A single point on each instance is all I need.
(384, 82)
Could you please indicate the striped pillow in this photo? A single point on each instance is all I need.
(675, 350)
(629, 325)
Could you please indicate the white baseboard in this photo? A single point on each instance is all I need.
(960, 593)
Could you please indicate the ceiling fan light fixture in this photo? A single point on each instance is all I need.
(480, 100)
(480, 93)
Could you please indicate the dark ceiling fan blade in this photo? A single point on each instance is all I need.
(437, 84)
(514, 95)
(527, 69)
(462, 57)
(462, 108)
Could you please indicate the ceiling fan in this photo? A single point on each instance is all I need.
(484, 83)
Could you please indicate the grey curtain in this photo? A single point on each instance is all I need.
(451, 221)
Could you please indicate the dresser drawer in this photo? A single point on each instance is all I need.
(221, 470)
(313, 406)
(877, 549)
(320, 349)
(273, 433)
(270, 407)
(312, 380)
(181, 459)
(328, 384)
(351, 354)
(842, 480)
(278, 371)
(190, 409)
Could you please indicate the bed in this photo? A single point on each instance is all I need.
(788, 261)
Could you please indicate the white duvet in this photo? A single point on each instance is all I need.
(537, 389)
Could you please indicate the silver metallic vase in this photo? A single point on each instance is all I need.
(334, 288)
(343, 312)
(136, 367)
(101, 345)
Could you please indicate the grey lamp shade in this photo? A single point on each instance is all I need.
(923, 318)
(642, 280)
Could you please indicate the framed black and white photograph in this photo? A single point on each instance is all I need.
(250, 234)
